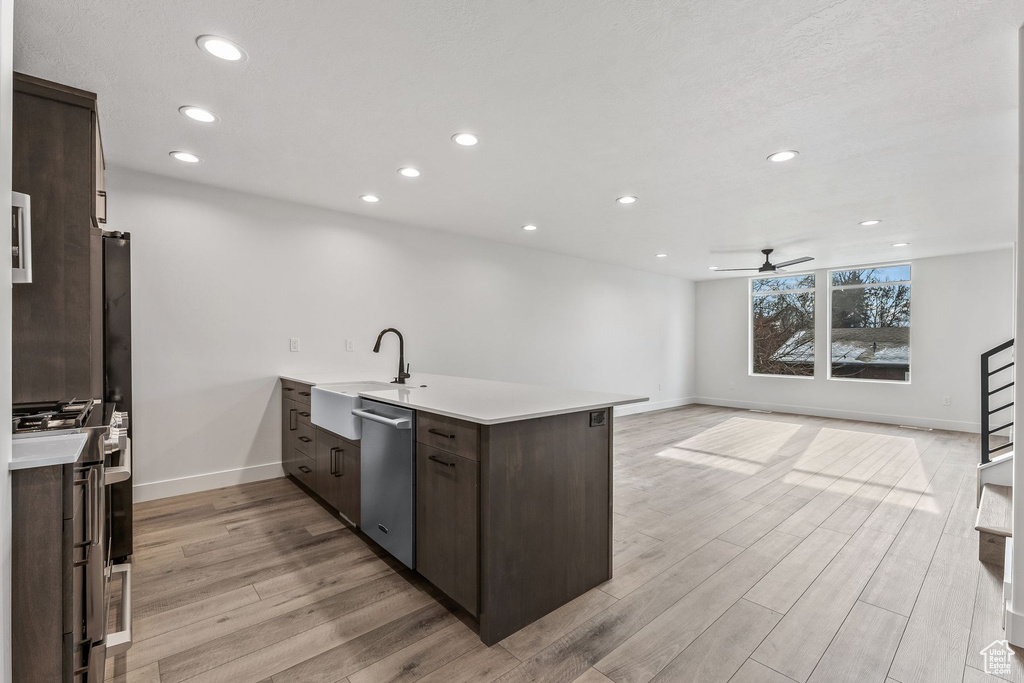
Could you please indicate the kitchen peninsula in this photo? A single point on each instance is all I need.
(513, 485)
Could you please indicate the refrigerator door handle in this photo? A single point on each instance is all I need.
(21, 250)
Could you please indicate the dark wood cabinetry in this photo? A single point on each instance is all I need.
(57, 161)
(325, 463)
(56, 560)
(447, 529)
(513, 520)
(337, 473)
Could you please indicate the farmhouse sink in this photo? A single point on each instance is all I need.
(332, 406)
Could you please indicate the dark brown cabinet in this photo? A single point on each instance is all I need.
(57, 560)
(337, 473)
(325, 463)
(447, 532)
(58, 318)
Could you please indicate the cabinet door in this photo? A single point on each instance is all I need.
(337, 473)
(348, 491)
(289, 427)
(99, 212)
(327, 478)
(447, 509)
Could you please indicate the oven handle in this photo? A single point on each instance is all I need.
(397, 423)
(123, 472)
(88, 509)
(120, 641)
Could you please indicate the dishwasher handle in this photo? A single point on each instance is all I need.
(397, 423)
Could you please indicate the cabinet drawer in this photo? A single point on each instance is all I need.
(454, 436)
(447, 514)
(305, 438)
(301, 466)
(296, 391)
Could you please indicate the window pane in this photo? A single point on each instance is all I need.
(869, 276)
(871, 331)
(777, 284)
(783, 335)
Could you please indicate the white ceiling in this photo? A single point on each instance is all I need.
(903, 110)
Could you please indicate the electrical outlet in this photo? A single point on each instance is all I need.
(947, 401)
(350, 345)
(732, 386)
(293, 344)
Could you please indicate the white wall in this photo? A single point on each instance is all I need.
(960, 306)
(6, 102)
(221, 280)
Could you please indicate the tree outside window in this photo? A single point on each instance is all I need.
(783, 325)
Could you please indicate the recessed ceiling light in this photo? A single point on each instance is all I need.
(530, 228)
(465, 139)
(371, 198)
(785, 155)
(712, 267)
(198, 114)
(661, 255)
(873, 221)
(902, 244)
(409, 172)
(221, 48)
(628, 199)
(187, 157)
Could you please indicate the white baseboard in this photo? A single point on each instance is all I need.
(884, 418)
(205, 482)
(650, 406)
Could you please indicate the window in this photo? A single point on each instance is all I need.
(870, 336)
(782, 339)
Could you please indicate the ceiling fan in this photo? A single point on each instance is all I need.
(768, 266)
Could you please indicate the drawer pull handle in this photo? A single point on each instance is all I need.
(439, 461)
(439, 433)
(304, 469)
(287, 389)
(303, 393)
(305, 439)
(304, 414)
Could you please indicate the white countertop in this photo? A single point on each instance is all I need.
(482, 401)
(41, 451)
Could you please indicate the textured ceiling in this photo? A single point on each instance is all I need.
(903, 110)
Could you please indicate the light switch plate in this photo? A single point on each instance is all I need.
(293, 344)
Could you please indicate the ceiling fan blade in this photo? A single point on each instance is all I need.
(802, 259)
(732, 270)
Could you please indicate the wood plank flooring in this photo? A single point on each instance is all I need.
(748, 547)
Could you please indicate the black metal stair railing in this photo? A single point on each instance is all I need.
(1005, 401)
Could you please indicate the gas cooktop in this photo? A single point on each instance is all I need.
(51, 415)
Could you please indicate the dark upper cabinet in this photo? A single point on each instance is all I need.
(58, 317)
(337, 473)
(447, 509)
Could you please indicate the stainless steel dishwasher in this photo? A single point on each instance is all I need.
(388, 478)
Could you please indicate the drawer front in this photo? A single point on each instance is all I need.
(296, 391)
(302, 467)
(305, 438)
(448, 434)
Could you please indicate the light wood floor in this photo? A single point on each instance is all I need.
(748, 548)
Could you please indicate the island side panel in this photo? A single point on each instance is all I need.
(545, 517)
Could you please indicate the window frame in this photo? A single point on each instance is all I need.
(910, 334)
(750, 319)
